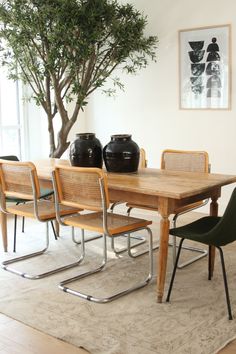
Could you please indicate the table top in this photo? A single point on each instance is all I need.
(150, 181)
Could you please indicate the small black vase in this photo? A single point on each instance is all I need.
(121, 154)
(86, 151)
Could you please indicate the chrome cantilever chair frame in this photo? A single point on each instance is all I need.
(174, 245)
(104, 206)
(79, 242)
(140, 239)
(35, 191)
(202, 252)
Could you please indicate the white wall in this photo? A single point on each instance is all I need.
(36, 131)
(148, 109)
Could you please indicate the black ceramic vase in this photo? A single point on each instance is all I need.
(121, 154)
(86, 151)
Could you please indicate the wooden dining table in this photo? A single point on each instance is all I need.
(161, 189)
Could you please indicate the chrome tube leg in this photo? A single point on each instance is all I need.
(125, 249)
(73, 234)
(47, 230)
(23, 224)
(141, 240)
(135, 255)
(225, 283)
(82, 242)
(174, 271)
(15, 228)
(5, 264)
(87, 240)
(150, 253)
(63, 284)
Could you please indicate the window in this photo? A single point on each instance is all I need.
(10, 123)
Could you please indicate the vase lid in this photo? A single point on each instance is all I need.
(121, 137)
(85, 136)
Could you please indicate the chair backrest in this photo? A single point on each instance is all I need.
(225, 231)
(188, 161)
(9, 157)
(19, 180)
(142, 159)
(81, 187)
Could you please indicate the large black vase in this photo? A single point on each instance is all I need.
(121, 154)
(86, 151)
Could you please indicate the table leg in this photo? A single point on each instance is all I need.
(3, 218)
(211, 259)
(163, 254)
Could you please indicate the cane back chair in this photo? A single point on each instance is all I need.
(187, 161)
(87, 188)
(140, 240)
(213, 231)
(19, 180)
(44, 193)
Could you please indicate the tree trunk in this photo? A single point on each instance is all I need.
(62, 136)
(62, 143)
(60, 149)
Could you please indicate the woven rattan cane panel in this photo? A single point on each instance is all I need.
(81, 188)
(185, 161)
(17, 179)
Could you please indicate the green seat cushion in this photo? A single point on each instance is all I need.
(44, 193)
(199, 230)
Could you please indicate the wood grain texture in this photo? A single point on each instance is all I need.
(116, 223)
(150, 181)
(17, 338)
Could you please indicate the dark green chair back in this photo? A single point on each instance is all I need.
(212, 230)
(9, 157)
(225, 230)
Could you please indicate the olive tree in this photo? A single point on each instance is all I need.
(66, 49)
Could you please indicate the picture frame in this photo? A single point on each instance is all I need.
(205, 68)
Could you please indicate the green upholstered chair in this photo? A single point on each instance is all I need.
(212, 231)
(44, 192)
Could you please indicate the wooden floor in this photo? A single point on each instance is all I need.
(17, 338)
(230, 348)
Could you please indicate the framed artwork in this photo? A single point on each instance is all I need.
(205, 67)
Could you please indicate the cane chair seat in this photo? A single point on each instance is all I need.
(116, 223)
(87, 188)
(46, 210)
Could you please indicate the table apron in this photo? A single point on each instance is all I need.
(166, 206)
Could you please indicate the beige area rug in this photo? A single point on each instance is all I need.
(195, 322)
